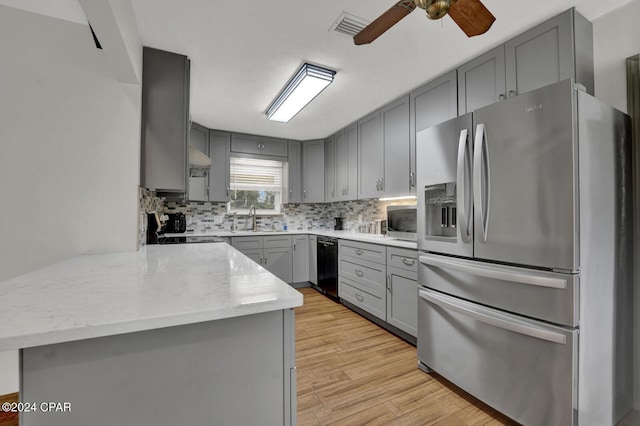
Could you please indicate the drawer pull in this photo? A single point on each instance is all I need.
(486, 316)
(408, 262)
(359, 251)
(359, 297)
(359, 273)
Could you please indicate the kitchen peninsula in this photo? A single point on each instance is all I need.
(176, 334)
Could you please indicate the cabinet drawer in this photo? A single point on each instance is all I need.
(349, 291)
(246, 243)
(277, 241)
(371, 277)
(402, 258)
(365, 251)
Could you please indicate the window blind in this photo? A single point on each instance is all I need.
(248, 174)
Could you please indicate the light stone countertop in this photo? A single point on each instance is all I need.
(159, 286)
(345, 235)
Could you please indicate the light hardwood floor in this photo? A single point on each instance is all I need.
(352, 372)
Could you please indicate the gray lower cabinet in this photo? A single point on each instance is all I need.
(272, 252)
(481, 81)
(277, 260)
(402, 289)
(238, 371)
(165, 118)
(300, 259)
(396, 180)
(295, 172)
(370, 156)
(362, 282)
(555, 50)
(313, 171)
(431, 104)
(313, 259)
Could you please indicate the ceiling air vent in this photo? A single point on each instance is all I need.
(348, 24)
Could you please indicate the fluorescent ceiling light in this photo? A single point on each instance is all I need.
(305, 85)
(410, 197)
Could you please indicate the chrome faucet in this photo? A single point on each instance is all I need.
(252, 208)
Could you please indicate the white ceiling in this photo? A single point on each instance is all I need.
(243, 52)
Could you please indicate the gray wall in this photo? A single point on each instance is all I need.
(617, 37)
(70, 147)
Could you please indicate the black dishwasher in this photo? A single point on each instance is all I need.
(328, 266)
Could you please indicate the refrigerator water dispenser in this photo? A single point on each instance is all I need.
(440, 209)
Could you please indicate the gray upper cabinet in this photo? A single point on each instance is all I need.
(295, 172)
(346, 142)
(555, 50)
(199, 186)
(219, 146)
(274, 147)
(215, 144)
(165, 121)
(431, 104)
(395, 131)
(330, 169)
(481, 81)
(255, 145)
(370, 156)
(313, 171)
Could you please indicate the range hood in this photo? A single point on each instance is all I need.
(199, 163)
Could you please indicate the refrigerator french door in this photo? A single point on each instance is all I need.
(500, 184)
(523, 232)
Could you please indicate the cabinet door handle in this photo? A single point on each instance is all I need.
(359, 297)
(294, 247)
(304, 193)
(408, 262)
(265, 261)
(359, 273)
(358, 252)
(512, 93)
(381, 184)
(388, 283)
(501, 97)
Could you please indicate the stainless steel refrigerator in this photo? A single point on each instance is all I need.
(525, 277)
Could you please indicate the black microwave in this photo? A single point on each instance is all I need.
(401, 222)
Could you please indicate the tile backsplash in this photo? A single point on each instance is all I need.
(207, 216)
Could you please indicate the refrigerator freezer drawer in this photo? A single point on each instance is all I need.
(548, 296)
(523, 368)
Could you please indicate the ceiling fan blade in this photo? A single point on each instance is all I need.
(471, 16)
(384, 22)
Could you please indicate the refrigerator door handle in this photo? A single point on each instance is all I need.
(463, 214)
(495, 273)
(486, 316)
(481, 177)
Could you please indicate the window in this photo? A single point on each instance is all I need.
(255, 183)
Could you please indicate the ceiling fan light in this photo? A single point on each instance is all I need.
(436, 9)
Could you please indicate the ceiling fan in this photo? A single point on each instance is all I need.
(470, 15)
